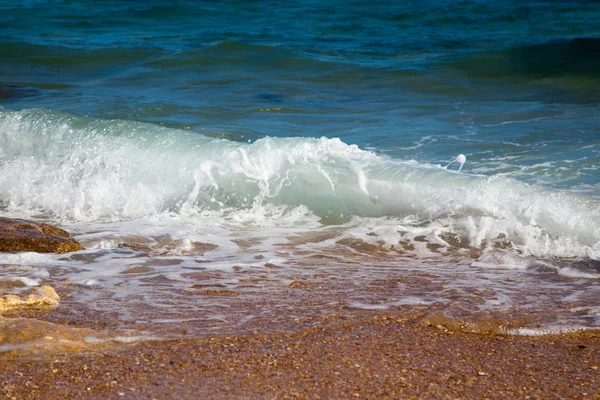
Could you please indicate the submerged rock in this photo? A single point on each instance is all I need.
(136, 247)
(21, 235)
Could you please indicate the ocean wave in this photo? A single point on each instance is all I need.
(81, 169)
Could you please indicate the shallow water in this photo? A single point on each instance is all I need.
(280, 162)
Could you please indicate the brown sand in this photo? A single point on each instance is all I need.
(374, 357)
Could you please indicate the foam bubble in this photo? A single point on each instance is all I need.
(27, 281)
(367, 306)
(501, 260)
(541, 331)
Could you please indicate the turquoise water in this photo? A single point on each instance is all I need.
(325, 128)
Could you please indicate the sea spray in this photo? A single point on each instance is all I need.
(81, 169)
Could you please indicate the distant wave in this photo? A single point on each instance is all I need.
(578, 56)
(554, 58)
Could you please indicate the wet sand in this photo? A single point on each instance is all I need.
(374, 357)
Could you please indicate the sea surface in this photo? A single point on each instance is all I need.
(244, 166)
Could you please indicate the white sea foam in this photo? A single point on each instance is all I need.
(540, 331)
(412, 301)
(368, 306)
(27, 281)
(26, 258)
(501, 260)
(574, 273)
(119, 339)
(109, 180)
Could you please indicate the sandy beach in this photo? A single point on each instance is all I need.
(372, 357)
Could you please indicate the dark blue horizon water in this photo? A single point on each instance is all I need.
(496, 80)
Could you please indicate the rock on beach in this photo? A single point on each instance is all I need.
(17, 235)
(36, 297)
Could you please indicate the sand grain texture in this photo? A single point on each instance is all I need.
(375, 358)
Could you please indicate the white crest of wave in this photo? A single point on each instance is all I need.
(82, 169)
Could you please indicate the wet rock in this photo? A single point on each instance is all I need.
(137, 270)
(18, 235)
(26, 337)
(298, 284)
(136, 247)
(44, 296)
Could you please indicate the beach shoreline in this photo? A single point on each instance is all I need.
(379, 355)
